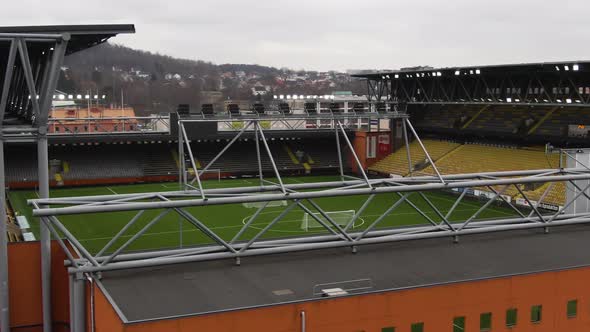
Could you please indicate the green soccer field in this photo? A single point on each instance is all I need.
(95, 230)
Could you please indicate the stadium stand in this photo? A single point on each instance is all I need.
(240, 158)
(508, 119)
(447, 117)
(557, 123)
(453, 158)
(397, 162)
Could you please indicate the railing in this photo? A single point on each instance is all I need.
(108, 125)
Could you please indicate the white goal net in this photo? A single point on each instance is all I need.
(341, 218)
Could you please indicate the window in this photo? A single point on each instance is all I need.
(459, 324)
(388, 329)
(485, 321)
(536, 313)
(511, 315)
(417, 327)
(572, 308)
(371, 146)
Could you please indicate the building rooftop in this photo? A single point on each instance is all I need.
(205, 287)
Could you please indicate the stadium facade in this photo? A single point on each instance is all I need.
(523, 267)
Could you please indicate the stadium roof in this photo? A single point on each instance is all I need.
(205, 287)
(81, 36)
(582, 65)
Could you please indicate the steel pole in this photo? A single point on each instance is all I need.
(43, 177)
(79, 304)
(4, 289)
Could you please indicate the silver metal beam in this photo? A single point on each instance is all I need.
(304, 186)
(322, 245)
(128, 206)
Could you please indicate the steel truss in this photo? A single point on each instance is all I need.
(84, 265)
(300, 196)
(489, 87)
(27, 91)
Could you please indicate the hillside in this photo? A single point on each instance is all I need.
(158, 83)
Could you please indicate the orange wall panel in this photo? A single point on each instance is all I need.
(106, 319)
(435, 306)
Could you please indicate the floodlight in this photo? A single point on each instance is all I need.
(62, 97)
(282, 97)
(288, 96)
(567, 68)
(86, 96)
(471, 72)
(517, 100)
(557, 68)
(95, 96)
(438, 73)
(576, 67)
(70, 97)
(104, 96)
(54, 97)
(78, 96)
(569, 101)
(302, 97)
(508, 100)
(396, 76)
(274, 97)
(332, 97)
(477, 71)
(457, 73)
(559, 100)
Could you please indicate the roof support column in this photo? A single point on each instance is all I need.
(43, 175)
(4, 291)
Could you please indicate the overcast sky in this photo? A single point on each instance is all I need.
(334, 34)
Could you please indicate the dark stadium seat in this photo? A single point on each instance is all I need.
(311, 108)
(233, 109)
(207, 109)
(259, 108)
(284, 108)
(183, 110)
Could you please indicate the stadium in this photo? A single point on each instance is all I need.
(446, 199)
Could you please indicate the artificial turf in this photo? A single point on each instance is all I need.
(95, 230)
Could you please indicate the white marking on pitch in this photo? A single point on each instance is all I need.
(111, 190)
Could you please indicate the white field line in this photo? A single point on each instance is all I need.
(111, 190)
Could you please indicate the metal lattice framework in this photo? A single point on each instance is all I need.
(550, 84)
(30, 61)
(114, 256)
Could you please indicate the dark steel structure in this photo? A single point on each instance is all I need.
(551, 83)
(30, 61)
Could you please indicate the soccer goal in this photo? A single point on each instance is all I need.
(341, 218)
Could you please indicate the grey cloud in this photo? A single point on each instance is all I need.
(334, 34)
